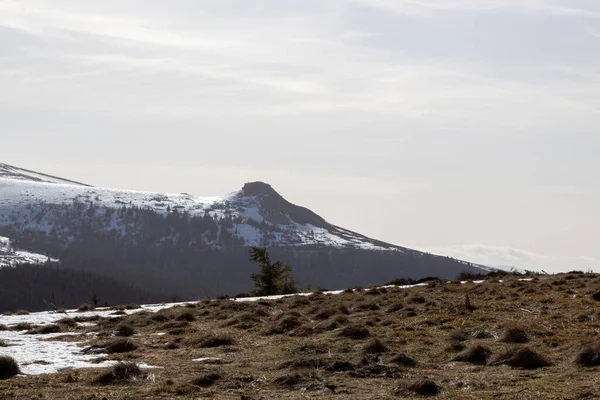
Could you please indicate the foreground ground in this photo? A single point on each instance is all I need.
(361, 344)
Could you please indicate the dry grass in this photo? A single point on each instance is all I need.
(373, 343)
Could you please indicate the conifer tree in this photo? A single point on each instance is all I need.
(273, 278)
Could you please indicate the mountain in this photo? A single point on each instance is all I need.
(178, 244)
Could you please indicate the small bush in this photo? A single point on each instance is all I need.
(8, 367)
(476, 355)
(523, 358)
(3, 327)
(355, 332)
(4, 343)
(21, 312)
(124, 330)
(120, 346)
(206, 380)
(119, 373)
(589, 355)
(401, 282)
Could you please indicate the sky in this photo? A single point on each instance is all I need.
(461, 127)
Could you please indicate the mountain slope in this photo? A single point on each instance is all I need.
(190, 246)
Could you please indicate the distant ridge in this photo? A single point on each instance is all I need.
(12, 172)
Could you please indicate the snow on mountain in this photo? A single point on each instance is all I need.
(12, 258)
(9, 171)
(255, 210)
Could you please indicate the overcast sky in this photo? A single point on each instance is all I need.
(462, 127)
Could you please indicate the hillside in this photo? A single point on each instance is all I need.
(521, 338)
(178, 244)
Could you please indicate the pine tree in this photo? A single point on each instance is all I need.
(273, 278)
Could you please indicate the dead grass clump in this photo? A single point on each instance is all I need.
(44, 330)
(85, 307)
(21, 312)
(124, 330)
(395, 307)
(119, 373)
(8, 367)
(336, 322)
(120, 346)
(417, 299)
(295, 378)
(284, 325)
(212, 341)
(589, 355)
(160, 317)
(69, 322)
(455, 345)
(375, 346)
(299, 301)
(367, 306)
(3, 327)
(404, 361)
(482, 334)
(324, 314)
(187, 316)
(458, 336)
(21, 326)
(355, 332)
(514, 335)
(243, 321)
(523, 358)
(478, 355)
(206, 380)
(424, 388)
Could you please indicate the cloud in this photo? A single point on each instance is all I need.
(423, 8)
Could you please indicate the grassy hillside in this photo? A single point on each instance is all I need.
(513, 339)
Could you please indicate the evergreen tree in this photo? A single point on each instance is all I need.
(273, 278)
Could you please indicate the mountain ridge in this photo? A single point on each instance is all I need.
(191, 246)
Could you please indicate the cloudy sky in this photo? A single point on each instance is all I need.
(462, 127)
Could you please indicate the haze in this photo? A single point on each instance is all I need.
(467, 128)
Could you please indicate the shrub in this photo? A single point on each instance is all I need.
(120, 372)
(21, 326)
(8, 367)
(3, 327)
(21, 312)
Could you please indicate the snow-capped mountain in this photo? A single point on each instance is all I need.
(165, 241)
(258, 214)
